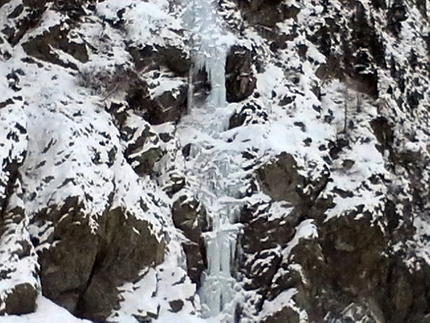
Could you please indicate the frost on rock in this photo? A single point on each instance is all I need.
(214, 161)
(75, 192)
(143, 145)
(69, 194)
(18, 262)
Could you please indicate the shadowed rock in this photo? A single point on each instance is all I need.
(281, 180)
(21, 300)
(169, 106)
(154, 57)
(57, 37)
(83, 268)
(240, 81)
(190, 216)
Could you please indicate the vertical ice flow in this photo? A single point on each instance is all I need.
(213, 167)
(209, 51)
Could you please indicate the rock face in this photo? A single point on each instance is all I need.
(43, 46)
(327, 122)
(240, 79)
(143, 147)
(154, 57)
(125, 240)
(18, 262)
(83, 277)
(21, 300)
(281, 181)
(189, 216)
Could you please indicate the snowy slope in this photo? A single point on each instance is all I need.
(132, 191)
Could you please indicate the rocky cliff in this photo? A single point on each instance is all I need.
(328, 119)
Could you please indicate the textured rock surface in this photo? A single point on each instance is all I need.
(240, 79)
(21, 300)
(190, 216)
(327, 116)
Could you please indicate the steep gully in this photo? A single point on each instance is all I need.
(213, 167)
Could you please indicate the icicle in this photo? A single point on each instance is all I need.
(209, 53)
(190, 91)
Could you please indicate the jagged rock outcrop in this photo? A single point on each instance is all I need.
(250, 113)
(282, 182)
(325, 131)
(18, 262)
(264, 17)
(43, 46)
(240, 80)
(125, 240)
(86, 266)
(156, 57)
(143, 147)
(190, 216)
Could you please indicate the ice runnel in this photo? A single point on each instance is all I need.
(213, 169)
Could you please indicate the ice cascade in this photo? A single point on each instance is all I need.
(214, 167)
(209, 47)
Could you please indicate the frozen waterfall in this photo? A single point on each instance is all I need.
(213, 166)
(209, 46)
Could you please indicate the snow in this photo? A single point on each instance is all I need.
(270, 80)
(147, 22)
(166, 85)
(50, 19)
(47, 312)
(70, 135)
(213, 167)
(158, 287)
(15, 268)
(282, 300)
(421, 238)
(306, 230)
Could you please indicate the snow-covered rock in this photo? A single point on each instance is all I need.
(114, 172)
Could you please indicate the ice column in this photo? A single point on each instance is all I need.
(209, 53)
(209, 50)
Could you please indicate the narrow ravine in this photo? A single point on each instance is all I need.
(214, 166)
